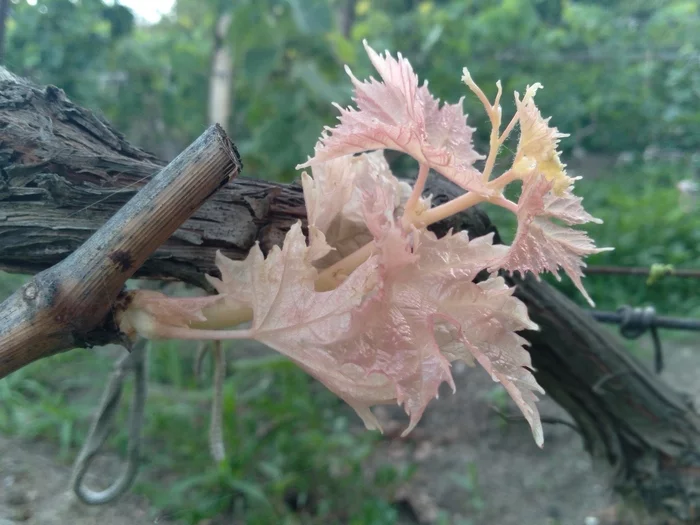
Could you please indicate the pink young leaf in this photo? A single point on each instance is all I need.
(449, 149)
(537, 149)
(344, 227)
(325, 196)
(485, 314)
(567, 208)
(430, 312)
(488, 317)
(305, 325)
(380, 345)
(234, 276)
(541, 245)
(397, 114)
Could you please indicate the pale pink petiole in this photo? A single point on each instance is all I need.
(329, 278)
(470, 199)
(505, 203)
(164, 331)
(450, 208)
(509, 129)
(494, 113)
(418, 187)
(504, 179)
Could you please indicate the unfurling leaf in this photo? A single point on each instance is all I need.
(537, 149)
(543, 246)
(398, 114)
(333, 199)
(375, 306)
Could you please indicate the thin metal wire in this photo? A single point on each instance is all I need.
(135, 363)
(641, 271)
(634, 322)
(657, 321)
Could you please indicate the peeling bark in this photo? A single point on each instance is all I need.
(65, 171)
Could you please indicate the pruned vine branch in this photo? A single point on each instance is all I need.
(69, 304)
(65, 171)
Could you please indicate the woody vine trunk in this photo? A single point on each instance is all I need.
(64, 172)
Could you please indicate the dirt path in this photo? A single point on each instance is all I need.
(33, 491)
(480, 470)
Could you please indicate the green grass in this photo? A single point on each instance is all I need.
(295, 452)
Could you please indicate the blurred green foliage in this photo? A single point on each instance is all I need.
(292, 455)
(618, 75)
(622, 76)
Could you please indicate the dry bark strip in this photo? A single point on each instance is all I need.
(65, 172)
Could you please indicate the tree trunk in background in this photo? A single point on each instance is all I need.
(221, 74)
(4, 11)
(64, 171)
(346, 16)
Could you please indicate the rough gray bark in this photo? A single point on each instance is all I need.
(630, 419)
(71, 303)
(65, 172)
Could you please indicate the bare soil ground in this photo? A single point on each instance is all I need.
(474, 466)
(34, 491)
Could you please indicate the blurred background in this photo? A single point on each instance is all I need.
(622, 77)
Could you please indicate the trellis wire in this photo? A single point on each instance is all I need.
(641, 271)
(634, 322)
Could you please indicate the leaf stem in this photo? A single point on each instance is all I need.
(448, 209)
(494, 113)
(509, 128)
(227, 317)
(505, 203)
(329, 278)
(409, 209)
(163, 331)
(504, 179)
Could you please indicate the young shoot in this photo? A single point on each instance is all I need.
(373, 304)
